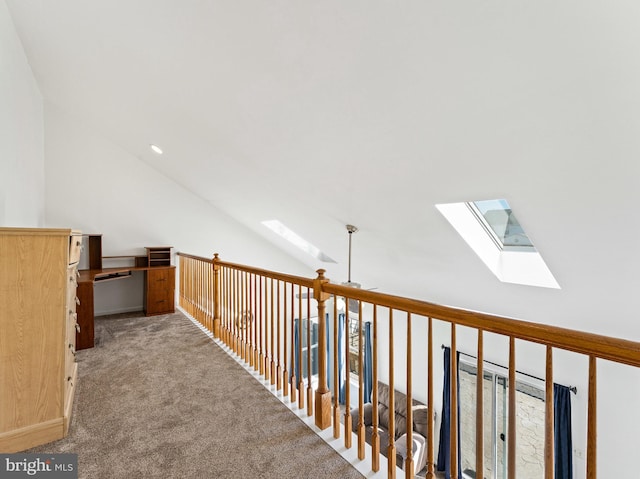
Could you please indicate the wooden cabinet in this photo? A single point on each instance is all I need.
(160, 290)
(85, 333)
(38, 324)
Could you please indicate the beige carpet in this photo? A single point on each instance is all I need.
(157, 398)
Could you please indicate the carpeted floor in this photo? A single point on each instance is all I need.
(157, 398)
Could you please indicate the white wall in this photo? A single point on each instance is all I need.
(97, 187)
(21, 133)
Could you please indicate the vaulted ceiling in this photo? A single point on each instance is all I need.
(325, 113)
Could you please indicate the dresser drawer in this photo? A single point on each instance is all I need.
(159, 303)
(161, 279)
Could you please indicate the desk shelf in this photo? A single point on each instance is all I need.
(159, 256)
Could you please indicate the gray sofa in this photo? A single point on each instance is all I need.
(420, 426)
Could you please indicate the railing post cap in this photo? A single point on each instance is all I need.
(321, 273)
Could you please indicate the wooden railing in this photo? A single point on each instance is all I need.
(253, 311)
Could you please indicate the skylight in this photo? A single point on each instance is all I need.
(492, 231)
(291, 236)
(501, 223)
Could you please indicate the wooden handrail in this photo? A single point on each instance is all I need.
(199, 258)
(289, 278)
(604, 347)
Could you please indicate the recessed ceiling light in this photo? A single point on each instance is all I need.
(156, 149)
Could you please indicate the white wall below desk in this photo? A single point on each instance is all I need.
(119, 296)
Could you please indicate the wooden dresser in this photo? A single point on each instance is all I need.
(38, 371)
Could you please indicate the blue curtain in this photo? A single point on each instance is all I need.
(341, 360)
(563, 449)
(444, 455)
(368, 363)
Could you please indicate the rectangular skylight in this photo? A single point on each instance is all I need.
(293, 238)
(500, 222)
(491, 229)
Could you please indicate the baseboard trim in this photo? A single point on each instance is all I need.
(132, 309)
(30, 436)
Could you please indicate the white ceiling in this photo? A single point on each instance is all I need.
(325, 113)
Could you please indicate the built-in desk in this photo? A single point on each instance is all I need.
(159, 286)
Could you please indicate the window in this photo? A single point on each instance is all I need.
(354, 343)
(492, 231)
(530, 416)
(314, 348)
(501, 223)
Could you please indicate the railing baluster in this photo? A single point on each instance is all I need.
(196, 311)
(430, 425)
(336, 384)
(235, 314)
(272, 363)
(592, 420)
(226, 272)
(511, 436)
(293, 381)
(250, 317)
(279, 350)
(285, 371)
(203, 294)
(245, 317)
(408, 463)
(361, 426)
(375, 436)
(453, 447)
(261, 332)
(391, 449)
(549, 456)
(348, 425)
(227, 306)
(480, 406)
(309, 354)
(256, 325)
(201, 319)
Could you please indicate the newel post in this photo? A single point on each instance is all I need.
(323, 394)
(216, 296)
